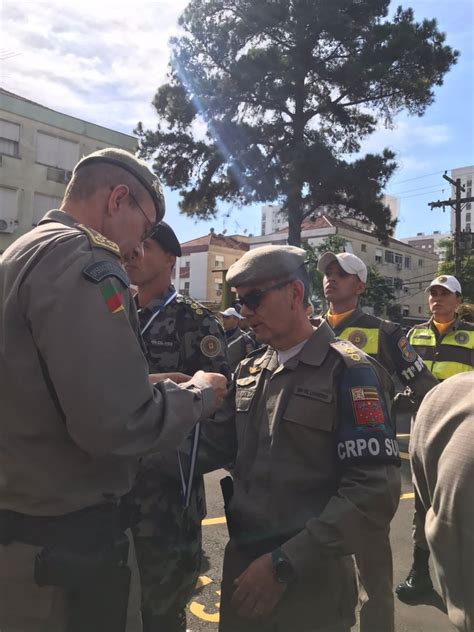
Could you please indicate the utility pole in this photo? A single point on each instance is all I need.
(456, 205)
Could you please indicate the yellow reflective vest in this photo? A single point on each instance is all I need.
(445, 355)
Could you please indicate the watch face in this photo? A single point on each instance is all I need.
(284, 572)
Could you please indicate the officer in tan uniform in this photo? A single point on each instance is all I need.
(344, 281)
(316, 462)
(77, 405)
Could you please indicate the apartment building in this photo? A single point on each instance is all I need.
(38, 150)
(428, 242)
(199, 271)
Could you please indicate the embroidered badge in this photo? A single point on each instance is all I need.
(408, 353)
(358, 338)
(100, 270)
(246, 381)
(253, 370)
(367, 407)
(113, 298)
(210, 346)
(442, 279)
(461, 337)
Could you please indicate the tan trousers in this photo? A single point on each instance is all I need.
(25, 607)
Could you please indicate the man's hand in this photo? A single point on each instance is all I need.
(216, 381)
(177, 378)
(257, 590)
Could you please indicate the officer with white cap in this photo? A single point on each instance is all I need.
(345, 277)
(446, 344)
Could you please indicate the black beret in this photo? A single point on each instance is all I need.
(137, 167)
(166, 237)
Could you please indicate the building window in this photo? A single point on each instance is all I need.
(389, 256)
(56, 152)
(8, 203)
(397, 283)
(420, 263)
(363, 248)
(185, 290)
(42, 204)
(9, 139)
(398, 258)
(219, 261)
(378, 255)
(419, 310)
(389, 281)
(407, 263)
(468, 228)
(406, 310)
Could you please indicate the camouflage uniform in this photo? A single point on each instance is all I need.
(183, 337)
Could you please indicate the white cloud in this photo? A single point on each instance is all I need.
(101, 61)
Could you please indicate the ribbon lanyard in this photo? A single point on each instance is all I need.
(187, 485)
(159, 309)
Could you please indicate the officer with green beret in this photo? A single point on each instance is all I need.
(344, 281)
(446, 344)
(78, 409)
(316, 461)
(180, 335)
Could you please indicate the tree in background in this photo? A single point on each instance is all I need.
(378, 293)
(268, 99)
(467, 268)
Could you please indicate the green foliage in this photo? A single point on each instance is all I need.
(267, 100)
(379, 295)
(467, 269)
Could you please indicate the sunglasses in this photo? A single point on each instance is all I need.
(253, 299)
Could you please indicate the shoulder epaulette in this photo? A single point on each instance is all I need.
(389, 327)
(197, 309)
(351, 354)
(97, 240)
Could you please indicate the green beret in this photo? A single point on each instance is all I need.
(138, 168)
(267, 262)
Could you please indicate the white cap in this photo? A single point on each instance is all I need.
(348, 262)
(447, 281)
(231, 311)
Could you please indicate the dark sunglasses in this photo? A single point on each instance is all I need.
(253, 299)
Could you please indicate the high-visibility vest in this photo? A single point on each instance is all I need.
(447, 355)
(366, 338)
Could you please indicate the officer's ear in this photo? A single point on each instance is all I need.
(116, 198)
(360, 288)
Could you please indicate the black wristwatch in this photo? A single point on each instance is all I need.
(282, 568)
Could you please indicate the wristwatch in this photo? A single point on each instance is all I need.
(282, 568)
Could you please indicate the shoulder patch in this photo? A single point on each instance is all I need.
(99, 241)
(351, 355)
(100, 270)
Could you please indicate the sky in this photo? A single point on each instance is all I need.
(103, 61)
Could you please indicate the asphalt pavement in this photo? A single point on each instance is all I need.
(426, 616)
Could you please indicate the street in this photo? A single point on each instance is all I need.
(203, 610)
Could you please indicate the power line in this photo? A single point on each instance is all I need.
(429, 186)
(427, 175)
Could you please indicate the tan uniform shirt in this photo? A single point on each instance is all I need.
(77, 407)
(442, 459)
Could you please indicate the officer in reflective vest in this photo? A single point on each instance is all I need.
(345, 277)
(446, 344)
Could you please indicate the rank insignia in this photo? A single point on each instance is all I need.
(367, 407)
(408, 352)
(253, 370)
(96, 239)
(199, 312)
(113, 298)
(210, 346)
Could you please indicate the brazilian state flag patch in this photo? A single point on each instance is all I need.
(367, 407)
(113, 298)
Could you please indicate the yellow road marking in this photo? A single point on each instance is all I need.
(401, 435)
(199, 610)
(405, 455)
(208, 521)
(407, 496)
(202, 580)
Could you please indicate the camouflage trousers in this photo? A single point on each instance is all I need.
(168, 573)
